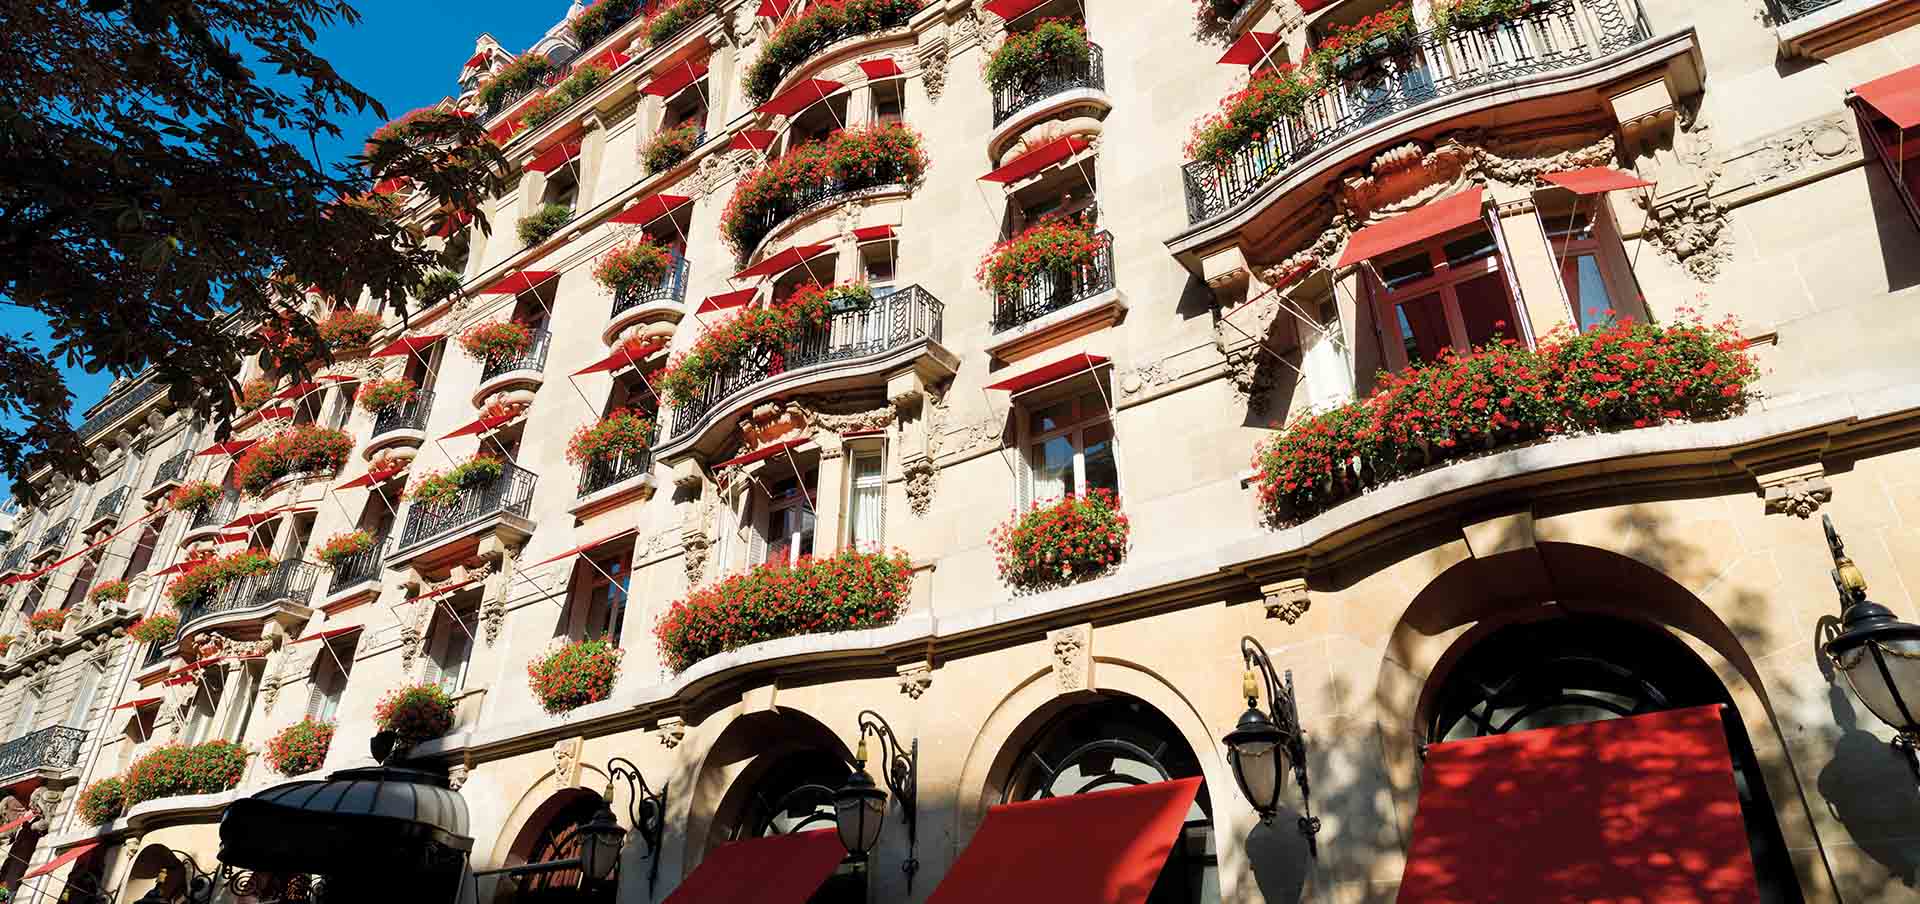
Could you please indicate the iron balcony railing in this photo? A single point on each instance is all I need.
(598, 475)
(1051, 290)
(56, 536)
(1059, 78)
(218, 513)
(511, 493)
(534, 358)
(174, 469)
(111, 504)
(119, 407)
(14, 557)
(55, 747)
(288, 582)
(408, 415)
(1553, 36)
(891, 322)
(507, 101)
(358, 568)
(806, 200)
(1789, 10)
(672, 286)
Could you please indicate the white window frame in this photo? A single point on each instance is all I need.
(595, 582)
(801, 502)
(328, 682)
(34, 696)
(86, 688)
(447, 634)
(876, 482)
(1074, 390)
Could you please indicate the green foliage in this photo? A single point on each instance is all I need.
(437, 286)
(674, 18)
(1051, 46)
(668, 147)
(569, 676)
(542, 224)
(1449, 16)
(578, 85)
(601, 19)
(848, 591)
(521, 75)
(436, 487)
(419, 712)
(103, 801)
(176, 769)
(812, 31)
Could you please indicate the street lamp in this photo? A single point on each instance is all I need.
(1879, 654)
(1261, 749)
(860, 807)
(602, 836)
(198, 889)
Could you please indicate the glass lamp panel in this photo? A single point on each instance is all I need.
(1257, 765)
(1901, 659)
(859, 820)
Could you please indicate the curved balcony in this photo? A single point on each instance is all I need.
(15, 558)
(501, 506)
(170, 473)
(661, 301)
(107, 510)
(53, 539)
(897, 332)
(598, 476)
(1437, 69)
(402, 425)
(512, 99)
(1061, 87)
(526, 370)
(208, 521)
(120, 407)
(808, 201)
(361, 570)
(1046, 293)
(42, 754)
(287, 589)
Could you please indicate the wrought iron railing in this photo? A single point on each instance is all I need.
(173, 469)
(54, 747)
(218, 513)
(55, 537)
(1061, 77)
(135, 397)
(511, 493)
(598, 475)
(672, 286)
(894, 321)
(1431, 65)
(806, 200)
(506, 101)
(110, 505)
(1049, 291)
(13, 558)
(358, 568)
(534, 358)
(408, 415)
(288, 582)
(1788, 10)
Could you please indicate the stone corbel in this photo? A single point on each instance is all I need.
(1286, 599)
(1071, 650)
(915, 678)
(673, 730)
(921, 475)
(1797, 491)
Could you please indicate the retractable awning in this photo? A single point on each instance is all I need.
(1413, 226)
(622, 356)
(776, 869)
(407, 345)
(881, 68)
(1036, 160)
(517, 283)
(1107, 847)
(72, 854)
(792, 257)
(231, 447)
(1595, 180)
(136, 704)
(482, 425)
(650, 208)
(556, 157)
(872, 233)
(799, 97)
(753, 140)
(760, 454)
(25, 817)
(1895, 96)
(1636, 809)
(1252, 47)
(1040, 376)
(1012, 9)
(774, 9)
(588, 546)
(329, 635)
(725, 301)
(675, 80)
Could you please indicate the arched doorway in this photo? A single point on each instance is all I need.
(1583, 667)
(1118, 741)
(553, 836)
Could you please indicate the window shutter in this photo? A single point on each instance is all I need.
(313, 697)
(436, 642)
(1025, 476)
(757, 551)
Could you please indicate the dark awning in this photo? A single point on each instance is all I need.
(777, 869)
(355, 822)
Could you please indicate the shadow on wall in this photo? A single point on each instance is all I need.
(1868, 789)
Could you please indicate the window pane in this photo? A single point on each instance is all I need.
(1423, 328)
(1406, 270)
(1052, 469)
(1102, 473)
(1587, 291)
(1052, 417)
(1484, 309)
(1473, 247)
(1092, 404)
(864, 530)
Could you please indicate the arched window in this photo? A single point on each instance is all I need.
(796, 795)
(560, 840)
(1120, 742)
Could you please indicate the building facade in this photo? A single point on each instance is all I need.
(1513, 176)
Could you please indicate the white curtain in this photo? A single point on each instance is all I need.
(866, 508)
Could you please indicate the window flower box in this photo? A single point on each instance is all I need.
(753, 331)
(496, 340)
(307, 448)
(47, 620)
(636, 265)
(1362, 45)
(349, 329)
(176, 769)
(1619, 377)
(380, 396)
(672, 18)
(103, 801)
(598, 21)
(668, 147)
(1248, 116)
(343, 545)
(1449, 16)
(255, 393)
(415, 713)
(848, 591)
(108, 592)
(571, 675)
(578, 85)
(437, 286)
(623, 432)
(847, 160)
(300, 748)
(514, 79)
(1062, 247)
(1069, 539)
(815, 29)
(206, 578)
(543, 224)
(1050, 46)
(435, 487)
(193, 497)
(157, 628)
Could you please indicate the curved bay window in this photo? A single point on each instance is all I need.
(1448, 292)
(796, 795)
(558, 841)
(1121, 742)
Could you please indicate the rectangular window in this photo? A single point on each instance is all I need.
(889, 101)
(1449, 293)
(451, 648)
(866, 501)
(329, 683)
(606, 598)
(1069, 449)
(29, 711)
(207, 688)
(342, 406)
(85, 688)
(786, 533)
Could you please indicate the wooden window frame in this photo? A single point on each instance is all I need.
(1443, 280)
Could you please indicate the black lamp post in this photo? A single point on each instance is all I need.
(860, 807)
(1879, 654)
(198, 889)
(1261, 748)
(602, 835)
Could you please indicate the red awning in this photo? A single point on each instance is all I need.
(72, 854)
(1896, 96)
(1107, 847)
(761, 454)
(233, 537)
(799, 97)
(726, 300)
(450, 588)
(276, 412)
(1036, 160)
(1065, 367)
(1596, 180)
(612, 59)
(231, 447)
(555, 157)
(329, 635)
(505, 130)
(1634, 809)
(871, 233)
(587, 546)
(1012, 9)
(792, 257)
(136, 704)
(881, 68)
(753, 140)
(296, 390)
(776, 869)
(650, 208)
(774, 9)
(26, 816)
(621, 357)
(482, 425)
(407, 345)
(1307, 6)
(450, 225)
(1413, 226)
(390, 185)
(675, 80)
(370, 479)
(175, 568)
(522, 281)
(1252, 47)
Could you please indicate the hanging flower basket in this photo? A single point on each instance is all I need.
(1049, 47)
(349, 329)
(47, 620)
(308, 448)
(848, 591)
(668, 147)
(103, 801)
(200, 582)
(108, 592)
(300, 748)
(847, 160)
(496, 341)
(752, 331)
(1061, 246)
(670, 19)
(157, 628)
(175, 770)
(634, 266)
(1053, 543)
(194, 496)
(436, 487)
(378, 396)
(571, 675)
(416, 713)
(1251, 115)
(343, 545)
(818, 27)
(622, 432)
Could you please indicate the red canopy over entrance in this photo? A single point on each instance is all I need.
(777, 869)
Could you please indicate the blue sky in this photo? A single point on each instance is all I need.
(406, 53)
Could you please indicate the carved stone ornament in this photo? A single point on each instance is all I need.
(1071, 649)
(1800, 499)
(851, 422)
(44, 801)
(915, 678)
(1692, 232)
(1145, 376)
(1786, 154)
(1287, 600)
(922, 475)
(673, 730)
(933, 62)
(566, 761)
(457, 776)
